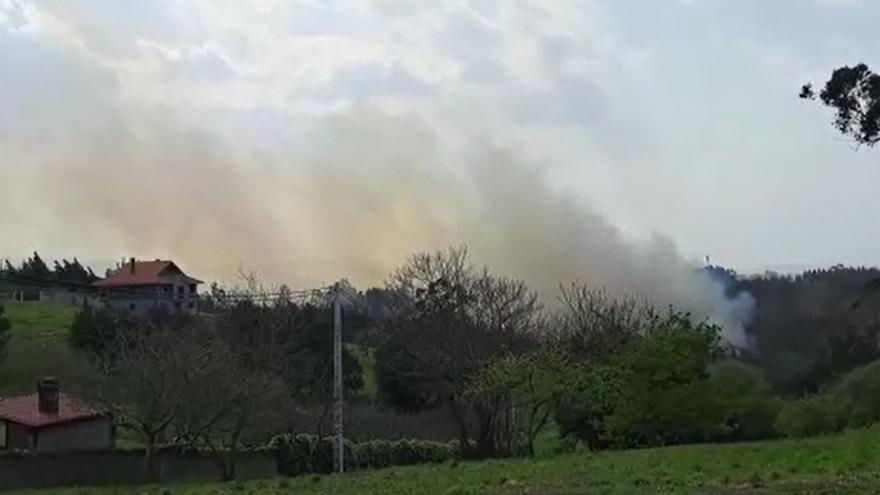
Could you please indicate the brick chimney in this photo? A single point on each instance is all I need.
(47, 391)
(131, 265)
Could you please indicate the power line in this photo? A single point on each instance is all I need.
(334, 295)
(30, 281)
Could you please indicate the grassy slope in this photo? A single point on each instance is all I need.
(847, 463)
(37, 347)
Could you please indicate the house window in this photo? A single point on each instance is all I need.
(192, 288)
(192, 305)
(180, 292)
(131, 307)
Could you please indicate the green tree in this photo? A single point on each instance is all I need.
(654, 390)
(856, 398)
(525, 389)
(746, 396)
(34, 268)
(5, 327)
(583, 409)
(665, 395)
(448, 319)
(93, 330)
(854, 94)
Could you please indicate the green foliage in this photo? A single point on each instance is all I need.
(34, 268)
(809, 328)
(93, 330)
(307, 454)
(856, 398)
(853, 402)
(854, 93)
(5, 327)
(300, 338)
(847, 463)
(746, 397)
(806, 417)
(665, 396)
(591, 398)
(447, 321)
(657, 390)
(524, 389)
(366, 358)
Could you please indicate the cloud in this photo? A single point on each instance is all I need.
(321, 145)
(838, 4)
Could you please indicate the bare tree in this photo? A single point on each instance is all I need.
(231, 406)
(146, 382)
(448, 320)
(195, 387)
(593, 323)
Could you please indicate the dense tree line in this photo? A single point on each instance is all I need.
(35, 271)
(455, 340)
(809, 329)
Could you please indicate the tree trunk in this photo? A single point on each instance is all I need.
(485, 435)
(463, 437)
(227, 465)
(151, 464)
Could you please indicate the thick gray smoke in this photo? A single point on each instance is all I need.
(100, 163)
(368, 190)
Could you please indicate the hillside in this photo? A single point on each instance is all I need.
(37, 347)
(847, 463)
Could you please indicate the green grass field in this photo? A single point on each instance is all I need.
(842, 464)
(38, 345)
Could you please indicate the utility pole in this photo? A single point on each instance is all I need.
(339, 440)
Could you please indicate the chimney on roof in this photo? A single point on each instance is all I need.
(131, 265)
(47, 391)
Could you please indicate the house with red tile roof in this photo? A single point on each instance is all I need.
(141, 286)
(50, 421)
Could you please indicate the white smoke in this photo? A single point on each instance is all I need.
(371, 189)
(97, 164)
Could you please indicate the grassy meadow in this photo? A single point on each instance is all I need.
(848, 463)
(38, 345)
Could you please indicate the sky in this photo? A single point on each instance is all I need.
(310, 140)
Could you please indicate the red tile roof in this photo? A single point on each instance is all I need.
(146, 273)
(25, 410)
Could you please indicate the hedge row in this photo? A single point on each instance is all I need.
(307, 454)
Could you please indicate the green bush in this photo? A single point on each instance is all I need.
(664, 394)
(857, 397)
(807, 417)
(746, 397)
(307, 454)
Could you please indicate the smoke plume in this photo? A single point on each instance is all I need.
(101, 165)
(370, 189)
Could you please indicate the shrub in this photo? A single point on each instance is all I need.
(806, 417)
(747, 398)
(306, 454)
(857, 397)
(664, 393)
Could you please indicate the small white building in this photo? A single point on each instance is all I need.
(142, 286)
